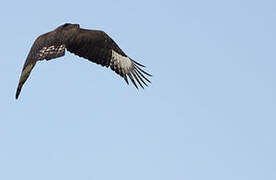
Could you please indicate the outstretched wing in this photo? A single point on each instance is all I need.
(46, 46)
(99, 48)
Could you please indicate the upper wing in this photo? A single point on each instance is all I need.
(46, 46)
(98, 47)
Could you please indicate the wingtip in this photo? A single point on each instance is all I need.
(138, 74)
(17, 93)
(16, 96)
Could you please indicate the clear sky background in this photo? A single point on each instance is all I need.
(209, 113)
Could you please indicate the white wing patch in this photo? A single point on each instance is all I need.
(122, 63)
(51, 52)
(128, 68)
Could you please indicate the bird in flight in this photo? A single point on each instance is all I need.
(94, 45)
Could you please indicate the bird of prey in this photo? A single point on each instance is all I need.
(94, 45)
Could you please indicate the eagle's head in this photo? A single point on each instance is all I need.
(68, 27)
(68, 30)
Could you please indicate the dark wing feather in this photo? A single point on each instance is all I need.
(99, 48)
(47, 46)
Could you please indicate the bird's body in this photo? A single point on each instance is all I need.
(94, 45)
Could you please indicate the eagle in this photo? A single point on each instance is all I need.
(94, 45)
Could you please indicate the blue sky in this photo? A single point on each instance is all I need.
(209, 113)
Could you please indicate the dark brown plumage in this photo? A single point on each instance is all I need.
(94, 45)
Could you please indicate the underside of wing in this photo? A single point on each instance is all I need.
(92, 45)
(128, 68)
(99, 48)
(47, 46)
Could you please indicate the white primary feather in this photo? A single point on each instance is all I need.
(124, 62)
